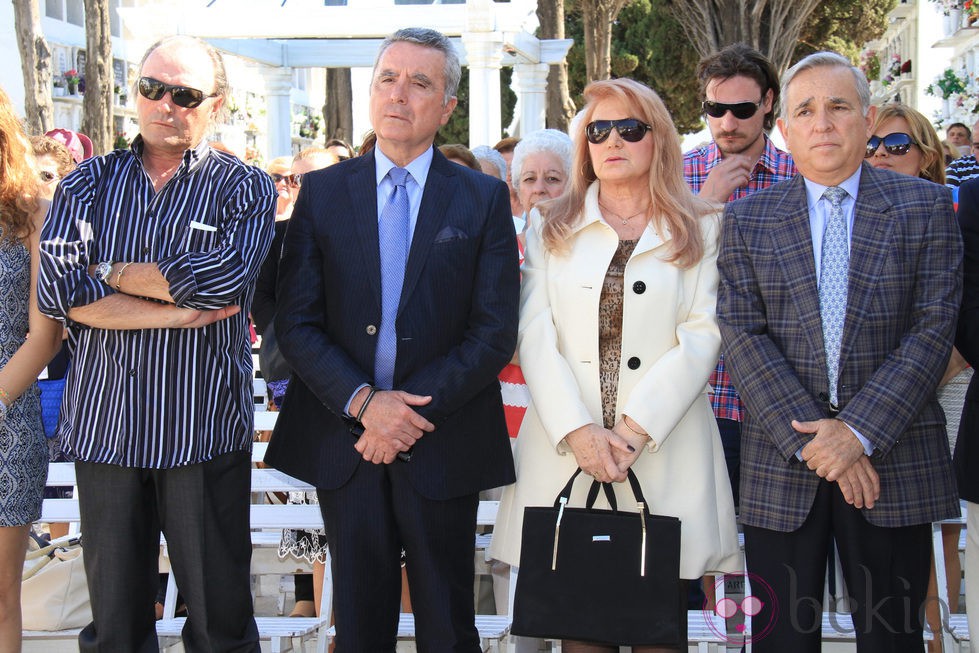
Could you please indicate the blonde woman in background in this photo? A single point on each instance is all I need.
(23, 447)
(904, 141)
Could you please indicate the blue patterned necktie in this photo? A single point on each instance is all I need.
(833, 279)
(392, 231)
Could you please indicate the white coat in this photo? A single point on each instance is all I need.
(670, 345)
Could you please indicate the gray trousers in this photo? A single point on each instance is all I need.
(202, 509)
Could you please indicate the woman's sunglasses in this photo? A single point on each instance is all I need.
(295, 180)
(897, 143)
(629, 129)
(183, 96)
(740, 110)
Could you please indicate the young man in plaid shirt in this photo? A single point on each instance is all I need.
(740, 88)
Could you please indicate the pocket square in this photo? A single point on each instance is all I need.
(450, 233)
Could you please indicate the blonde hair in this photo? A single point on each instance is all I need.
(279, 163)
(18, 180)
(674, 205)
(924, 136)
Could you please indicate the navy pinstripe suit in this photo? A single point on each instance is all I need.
(456, 330)
(903, 297)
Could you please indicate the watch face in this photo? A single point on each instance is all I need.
(102, 271)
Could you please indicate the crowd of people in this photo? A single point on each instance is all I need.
(763, 338)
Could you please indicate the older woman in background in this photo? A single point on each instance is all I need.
(904, 141)
(540, 170)
(53, 162)
(23, 448)
(618, 336)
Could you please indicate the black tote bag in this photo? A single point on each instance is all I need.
(600, 576)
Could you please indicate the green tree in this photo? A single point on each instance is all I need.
(456, 130)
(844, 26)
(665, 60)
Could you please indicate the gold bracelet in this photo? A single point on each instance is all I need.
(644, 435)
(119, 275)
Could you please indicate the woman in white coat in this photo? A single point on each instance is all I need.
(618, 335)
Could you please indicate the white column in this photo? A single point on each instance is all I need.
(530, 80)
(484, 52)
(279, 113)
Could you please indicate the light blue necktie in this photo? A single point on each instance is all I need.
(392, 231)
(833, 279)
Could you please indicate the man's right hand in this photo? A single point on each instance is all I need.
(391, 425)
(731, 173)
(860, 484)
(189, 318)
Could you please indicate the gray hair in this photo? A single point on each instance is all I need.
(221, 87)
(428, 38)
(488, 154)
(551, 141)
(826, 60)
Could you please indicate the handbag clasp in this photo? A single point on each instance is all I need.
(642, 555)
(557, 531)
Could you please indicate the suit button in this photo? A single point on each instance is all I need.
(634, 363)
(371, 329)
(639, 287)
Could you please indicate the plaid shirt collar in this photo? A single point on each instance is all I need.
(769, 160)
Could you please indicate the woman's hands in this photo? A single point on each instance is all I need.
(598, 452)
(632, 434)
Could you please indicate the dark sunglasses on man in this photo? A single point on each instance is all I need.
(630, 130)
(897, 144)
(295, 180)
(740, 110)
(183, 96)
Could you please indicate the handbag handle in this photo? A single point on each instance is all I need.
(565, 493)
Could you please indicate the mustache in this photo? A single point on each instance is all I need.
(726, 134)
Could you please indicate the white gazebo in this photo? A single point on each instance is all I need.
(287, 34)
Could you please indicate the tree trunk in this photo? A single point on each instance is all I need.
(35, 57)
(560, 108)
(597, 17)
(770, 26)
(99, 79)
(338, 117)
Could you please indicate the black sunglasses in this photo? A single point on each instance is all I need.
(629, 129)
(897, 143)
(183, 96)
(740, 110)
(295, 180)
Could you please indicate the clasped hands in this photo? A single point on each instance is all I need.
(606, 454)
(837, 455)
(391, 425)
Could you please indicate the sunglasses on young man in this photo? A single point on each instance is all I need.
(897, 143)
(295, 180)
(183, 96)
(630, 130)
(740, 110)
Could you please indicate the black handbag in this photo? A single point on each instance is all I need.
(600, 576)
(271, 362)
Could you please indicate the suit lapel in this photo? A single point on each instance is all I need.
(869, 246)
(792, 239)
(362, 189)
(431, 215)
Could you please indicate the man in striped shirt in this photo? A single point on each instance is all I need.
(150, 255)
(740, 89)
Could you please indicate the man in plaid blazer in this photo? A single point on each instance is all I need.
(863, 457)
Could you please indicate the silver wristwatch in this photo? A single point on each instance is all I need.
(103, 270)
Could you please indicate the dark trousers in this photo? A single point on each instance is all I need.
(886, 572)
(368, 521)
(202, 510)
(730, 431)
